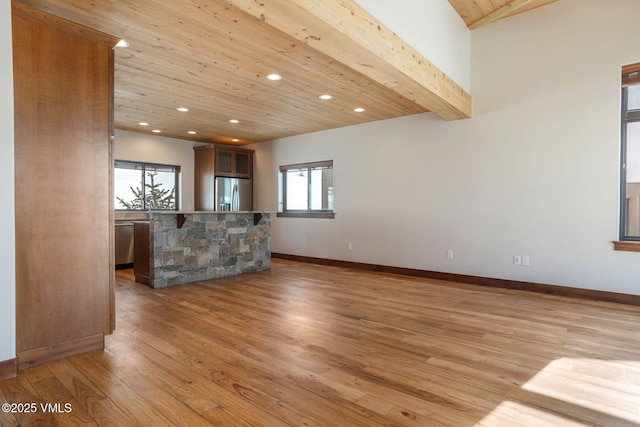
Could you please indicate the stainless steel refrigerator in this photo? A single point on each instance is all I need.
(233, 194)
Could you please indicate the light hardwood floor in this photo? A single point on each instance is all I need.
(309, 345)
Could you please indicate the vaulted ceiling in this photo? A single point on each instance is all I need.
(478, 13)
(213, 58)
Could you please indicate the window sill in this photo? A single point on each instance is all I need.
(330, 215)
(628, 246)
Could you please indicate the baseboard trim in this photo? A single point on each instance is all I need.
(50, 353)
(587, 294)
(8, 369)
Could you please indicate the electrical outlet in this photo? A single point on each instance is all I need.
(449, 254)
(349, 246)
(517, 260)
(525, 260)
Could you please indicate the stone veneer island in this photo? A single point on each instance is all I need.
(185, 247)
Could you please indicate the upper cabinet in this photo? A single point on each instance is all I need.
(218, 160)
(234, 162)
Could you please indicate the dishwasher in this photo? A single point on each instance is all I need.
(123, 244)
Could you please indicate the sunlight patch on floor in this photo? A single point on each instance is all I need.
(514, 414)
(567, 389)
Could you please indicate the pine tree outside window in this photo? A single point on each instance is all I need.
(145, 186)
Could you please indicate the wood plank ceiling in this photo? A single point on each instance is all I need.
(478, 13)
(213, 56)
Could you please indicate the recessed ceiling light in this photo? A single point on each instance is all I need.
(122, 43)
(274, 77)
(192, 132)
(143, 124)
(235, 140)
(325, 97)
(359, 110)
(156, 131)
(183, 109)
(234, 121)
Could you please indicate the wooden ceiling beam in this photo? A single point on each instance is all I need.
(345, 32)
(510, 8)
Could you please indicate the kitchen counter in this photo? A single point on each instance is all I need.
(185, 247)
(204, 212)
(181, 216)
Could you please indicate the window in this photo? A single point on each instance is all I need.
(630, 153)
(145, 186)
(307, 190)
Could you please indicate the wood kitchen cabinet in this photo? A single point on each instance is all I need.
(63, 163)
(234, 162)
(141, 252)
(218, 160)
(204, 177)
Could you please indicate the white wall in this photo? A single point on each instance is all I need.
(431, 27)
(142, 147)
(534, 173)
(7, 217)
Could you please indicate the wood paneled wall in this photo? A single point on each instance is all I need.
(63, 83)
